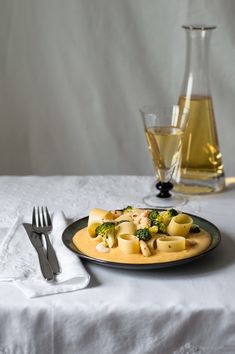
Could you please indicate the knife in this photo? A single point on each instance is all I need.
(37, 243)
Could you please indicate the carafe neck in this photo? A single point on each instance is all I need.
(196, 76)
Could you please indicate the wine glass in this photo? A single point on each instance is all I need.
(164, 130)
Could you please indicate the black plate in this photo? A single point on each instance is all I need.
(70, 231)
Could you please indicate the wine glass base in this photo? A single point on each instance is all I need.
(165, 203)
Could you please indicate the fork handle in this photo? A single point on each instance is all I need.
(51, 256)
(44, 264)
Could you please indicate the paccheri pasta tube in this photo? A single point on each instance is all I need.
(97, 217)
(125, 227)
(152, 243)
(171, 243)
(128, 244)
(180, 225)
(123, 217)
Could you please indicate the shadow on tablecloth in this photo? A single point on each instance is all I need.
(223, 256)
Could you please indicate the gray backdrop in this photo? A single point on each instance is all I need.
(74, 73)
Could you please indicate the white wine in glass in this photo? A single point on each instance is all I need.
(164, 130)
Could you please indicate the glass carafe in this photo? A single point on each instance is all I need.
(201, 167)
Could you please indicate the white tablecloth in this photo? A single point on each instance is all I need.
(187, 309)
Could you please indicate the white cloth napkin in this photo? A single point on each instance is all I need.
(19, 262)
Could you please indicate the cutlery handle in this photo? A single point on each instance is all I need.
(51, 256)
(44, 264)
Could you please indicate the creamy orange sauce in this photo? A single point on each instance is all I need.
(87, 245)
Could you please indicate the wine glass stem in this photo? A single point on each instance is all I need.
(164, 189)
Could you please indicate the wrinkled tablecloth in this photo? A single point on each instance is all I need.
(186, 309)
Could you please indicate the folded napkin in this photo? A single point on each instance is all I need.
(19, 262)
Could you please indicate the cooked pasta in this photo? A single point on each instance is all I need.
(123, 217)
(152, 243)
(180, 225)
(128, 244)
(171, 243)
(126, 227)
(96, 217)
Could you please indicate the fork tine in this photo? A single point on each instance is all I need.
(34, 217)
(39, 218)
(48, 217)
(44, 223)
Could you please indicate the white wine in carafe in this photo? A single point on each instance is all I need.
(201, 157)
(201, 169)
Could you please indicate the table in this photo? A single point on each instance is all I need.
(187, 309)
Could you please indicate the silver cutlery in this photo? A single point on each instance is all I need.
(37, 243)
(42, 225)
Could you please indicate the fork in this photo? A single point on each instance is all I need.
(41, 224)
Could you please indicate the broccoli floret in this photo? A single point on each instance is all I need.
(104, 228)
(128, 209)
(107, 232)
(168, 214)
(153, 214)
(160, 225)
(153, 230)
(171, 212)
(194, 229)
(157, 220)
(143, 234)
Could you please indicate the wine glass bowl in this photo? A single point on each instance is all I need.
(164, 131)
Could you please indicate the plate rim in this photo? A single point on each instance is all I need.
(139, 266)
